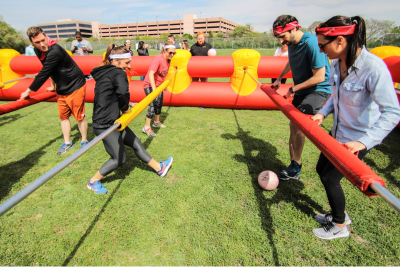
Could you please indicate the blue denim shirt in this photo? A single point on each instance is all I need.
(365, 106)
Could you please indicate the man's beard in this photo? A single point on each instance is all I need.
(169, 60)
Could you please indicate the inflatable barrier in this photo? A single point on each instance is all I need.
(239, 93)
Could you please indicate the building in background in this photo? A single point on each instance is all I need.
(190, 24)
(65, 28)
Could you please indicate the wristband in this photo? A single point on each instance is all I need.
(291, 90)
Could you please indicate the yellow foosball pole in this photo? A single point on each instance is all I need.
(127, 117)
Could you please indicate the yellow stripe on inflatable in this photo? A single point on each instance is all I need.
(245, 59)
(385, 51)
(181, 80)
(6, 74)
(69, 52)
(126, 118)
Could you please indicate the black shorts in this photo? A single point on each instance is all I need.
(311, 103)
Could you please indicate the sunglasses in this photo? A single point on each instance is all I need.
(321, 46)
(172, 53)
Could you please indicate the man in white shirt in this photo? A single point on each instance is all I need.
(80, 46)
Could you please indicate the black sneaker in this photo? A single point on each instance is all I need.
(293, 171)
(63, 149)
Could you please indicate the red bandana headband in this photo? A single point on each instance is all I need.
(50, 42)
(336, 31)
(290, 26)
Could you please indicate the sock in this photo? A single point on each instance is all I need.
(341, 225)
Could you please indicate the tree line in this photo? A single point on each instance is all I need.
(379, 32)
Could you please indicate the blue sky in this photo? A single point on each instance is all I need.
(260, 13)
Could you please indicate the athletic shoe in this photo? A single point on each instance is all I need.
(331, 231)
(84, 143)
(158, 124)
(149, 132)
(327, 218)
(97, 187)
(293, 171)
(165, 165)
(63, 149)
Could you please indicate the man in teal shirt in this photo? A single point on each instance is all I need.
(310, 71)
(29, 51)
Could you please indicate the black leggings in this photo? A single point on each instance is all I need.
(330, 178)
(114, 144)
(156, 105)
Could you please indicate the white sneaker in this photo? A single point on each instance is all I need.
(331, 231)
(327, 218)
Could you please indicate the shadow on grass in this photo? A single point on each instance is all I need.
(4, 119)
(12, 172)
(289, 192)
(389, 147)
(119, 174)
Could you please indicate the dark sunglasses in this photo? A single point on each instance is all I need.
(172, 53)
(321, 46)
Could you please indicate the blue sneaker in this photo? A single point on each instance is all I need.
(97, 187)
(165, 165)
(84, 143)
(63, 149)
(293, 171)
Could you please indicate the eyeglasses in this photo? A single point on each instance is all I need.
(321, 46)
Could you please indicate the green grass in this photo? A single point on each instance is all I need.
(208, 210)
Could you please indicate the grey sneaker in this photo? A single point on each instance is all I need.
(149, 132)
(158, 124)
(63, 149)
(327, 218)
(331, 231)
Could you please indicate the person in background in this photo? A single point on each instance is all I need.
(200, 49)
(156, 74)
(80, 46)
(127, 45)
(185, 45)
(171, 40)
(364, 106)
(281, 52)
(142, 51)
(67, 80)
(29, 51)
(310, 71)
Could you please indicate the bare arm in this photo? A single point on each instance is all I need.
(285, 71)
(318, 77)
(152, 81)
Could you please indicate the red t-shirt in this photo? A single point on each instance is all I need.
(160, 67)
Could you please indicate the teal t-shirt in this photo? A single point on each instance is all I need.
(303, 58)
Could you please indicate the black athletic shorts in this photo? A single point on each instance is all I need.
(311, 103)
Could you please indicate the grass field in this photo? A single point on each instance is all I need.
(208, 210)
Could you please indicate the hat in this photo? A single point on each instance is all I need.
(127, 41)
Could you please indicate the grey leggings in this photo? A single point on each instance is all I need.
(114, 144)
(156, 105)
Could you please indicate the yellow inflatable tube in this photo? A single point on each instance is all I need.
(6, 74)
(245, 59)
(181, 80)
(127, 117)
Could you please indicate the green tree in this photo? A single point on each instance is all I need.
(137, 38)
(70, 39)
(311, 28)
(210, 34)
(10, 38)
(239, 31)
(187, 36)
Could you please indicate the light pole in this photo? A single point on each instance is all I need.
(200, 14)
(137, 30)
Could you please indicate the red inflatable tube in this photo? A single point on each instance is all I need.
(221, 66)
(210, 67)
(198, 94)
(356, 171)
(393, 64)
(9, 107)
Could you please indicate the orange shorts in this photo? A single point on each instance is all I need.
(73, 104)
